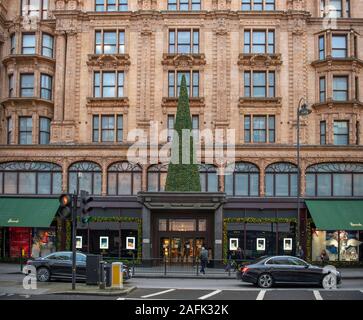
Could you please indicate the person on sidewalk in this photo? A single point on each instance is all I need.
(203, 259)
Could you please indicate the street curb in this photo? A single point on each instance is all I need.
(107, 292)
(215, 278)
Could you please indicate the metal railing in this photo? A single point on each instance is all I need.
(190, 267)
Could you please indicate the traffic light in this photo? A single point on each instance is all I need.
(85, 206)
(65, 208)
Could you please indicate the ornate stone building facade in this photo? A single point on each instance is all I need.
(78, 76)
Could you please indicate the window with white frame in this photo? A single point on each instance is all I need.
(109, 84)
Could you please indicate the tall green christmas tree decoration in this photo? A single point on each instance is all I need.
(183, 177)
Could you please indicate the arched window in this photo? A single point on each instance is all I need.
(156, 177)
(334, 179)
(281, 180)
(208, 178)
(242, 180)
(124, 178)
(85, 176)
(30, 178)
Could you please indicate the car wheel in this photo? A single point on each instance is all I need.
(329, 281)
(265, 281)
(43, 274)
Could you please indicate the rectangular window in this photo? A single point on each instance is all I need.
(27, 85)
(340, 88)
(257, 81)
(259, 129)
(247, 41)
(258, 5)
(170, 124)
(120, 128)
(195, 127)
(336, 10)
(100, 5)
(247, 128)
(246, 5)
(263, 41)
(322, 132)
(11, 85)
(196, 5)
(123, 5)
(347, 8)
(322, 8)
(262, 127)
(339, 46)
(108, 84)
(28, 43)
(183, 5)
(271, 129)
(322, 89)
(47, 45)
(192, 81)
(341, 132)
(184, 41)
(108, 129)
(44, 130)
(46, 87)
(25, 130)
(172, 5)
(110, 42)
(321, 47)
(13, 44)
(270, 5)
(35, 8)
(357, 88)
(96, 128)
(9, 130)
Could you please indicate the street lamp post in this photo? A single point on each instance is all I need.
(302, 110)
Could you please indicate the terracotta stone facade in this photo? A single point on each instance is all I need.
(146, 62)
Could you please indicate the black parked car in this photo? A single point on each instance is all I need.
(268, 271)
(58, 265)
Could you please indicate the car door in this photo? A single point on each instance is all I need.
(63, 265)
(81, 265)
(302, 272)
(279, 269)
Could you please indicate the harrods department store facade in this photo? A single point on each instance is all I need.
(76, 77)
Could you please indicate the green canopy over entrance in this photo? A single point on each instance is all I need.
(27, 212)
(336, 214)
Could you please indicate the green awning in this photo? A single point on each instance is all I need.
(336, 214)
(27, 212)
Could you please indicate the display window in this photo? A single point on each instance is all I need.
(19, 239)
(44, 242)
(337, 245)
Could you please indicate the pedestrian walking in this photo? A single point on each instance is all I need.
(203, 259)
(300, 253)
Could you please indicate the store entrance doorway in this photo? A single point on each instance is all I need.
(177, 249)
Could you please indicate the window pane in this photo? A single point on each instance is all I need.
(241, 184)
(97, 183)
(342, 184)
(44, 186)
(153, 181)
(27, 183)
(254, 184)
(111, 184)
(11, 183)
(310, 185)
(124, 183)
(324, 185)
(358, 184)
(282, 185)
(57, 183)
(269, 185)
(212, 182)
(85, 182)
(137, 182)
(228, 184)
(184, 41)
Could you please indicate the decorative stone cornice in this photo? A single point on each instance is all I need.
(104, 103)
(259, 60)
(182, 61)
(108, 61)
(260, 103)
(333, 106)
(25, 103)
(338, 64)
(68, 4)
(197, 104)
(31, 60)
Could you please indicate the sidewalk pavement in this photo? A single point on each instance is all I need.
(347, 273)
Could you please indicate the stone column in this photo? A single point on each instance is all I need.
(59, 77)
(146, 233)
(218, 233)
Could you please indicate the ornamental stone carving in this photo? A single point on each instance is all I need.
(108, 61)
(68, 4)
(182, 61)
(259, 60)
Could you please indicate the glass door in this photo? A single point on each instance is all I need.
(176, 249)
(188, 250)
